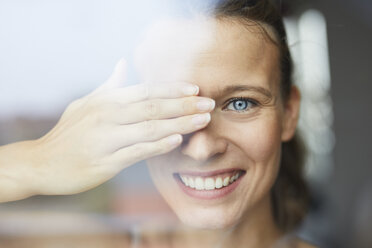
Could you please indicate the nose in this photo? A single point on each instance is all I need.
(203, 145)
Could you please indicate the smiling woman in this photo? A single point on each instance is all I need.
(216, 123)
(243, 172)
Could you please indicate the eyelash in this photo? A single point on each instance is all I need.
(250, 103)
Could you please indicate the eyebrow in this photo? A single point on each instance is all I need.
(234, 88)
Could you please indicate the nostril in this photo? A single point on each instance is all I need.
(202, 145)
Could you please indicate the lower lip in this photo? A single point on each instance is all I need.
(208, 194)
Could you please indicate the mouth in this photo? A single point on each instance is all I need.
(209, 185)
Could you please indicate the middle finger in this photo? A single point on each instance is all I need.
(157, 109)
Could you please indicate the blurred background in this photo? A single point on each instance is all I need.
(52, 52)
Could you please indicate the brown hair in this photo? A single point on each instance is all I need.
(290, 197)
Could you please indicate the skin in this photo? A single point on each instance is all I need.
(239, 62)
(116, 126)
(99, 135)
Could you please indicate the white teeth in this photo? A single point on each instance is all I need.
(218, 183)
(184, 180)
(231, 179)
(199, 184)
(236, 176)
(226, 181)
(208, 183)
(191, 183)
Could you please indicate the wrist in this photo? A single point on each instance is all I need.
(18, 175)
(35, 162)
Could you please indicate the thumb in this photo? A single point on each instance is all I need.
(117, 78)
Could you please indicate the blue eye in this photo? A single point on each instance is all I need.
(240, 104)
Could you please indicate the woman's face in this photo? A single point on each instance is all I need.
(226, 170)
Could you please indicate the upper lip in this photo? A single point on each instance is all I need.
(208, 173)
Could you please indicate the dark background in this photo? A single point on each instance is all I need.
(348, 193)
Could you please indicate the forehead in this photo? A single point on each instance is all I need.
(239, 54)
(211, 53)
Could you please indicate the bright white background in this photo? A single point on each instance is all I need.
(52, 52)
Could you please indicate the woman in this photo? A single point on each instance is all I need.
(242, 173)
(238, 177)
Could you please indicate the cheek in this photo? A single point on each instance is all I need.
(264, 149)
(160, 169)
(260, 140)
(157, 167)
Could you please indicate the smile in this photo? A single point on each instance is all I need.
(209, 185)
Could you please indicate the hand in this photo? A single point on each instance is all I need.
(113, 128)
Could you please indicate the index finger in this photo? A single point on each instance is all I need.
(141, 92)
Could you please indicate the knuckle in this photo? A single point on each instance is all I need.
(172, 90)
(149, 128)
(115, 106)
(97, 113)
(182, 127)
(144, 91)
(138, 152)
(181, 124)
(185, 125)
(163, 148)
(94, 106)
(97, 117)
(157, 148)
(188, 105)
(152, 109)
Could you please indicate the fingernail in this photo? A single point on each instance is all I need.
(201, 119)
(174, 140)
(205, 104)
(190, 90)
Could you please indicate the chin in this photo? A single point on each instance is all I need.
(207, 218)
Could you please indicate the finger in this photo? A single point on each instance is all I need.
(140, 151)
(163, 109)
(117, 78)
(153, 130)
(141, 92)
